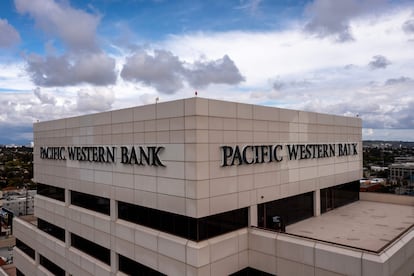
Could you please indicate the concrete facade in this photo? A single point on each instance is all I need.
(192, 183)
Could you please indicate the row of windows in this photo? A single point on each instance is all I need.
(52, 267)
(91, 202)
(131, 267)
(273, 215)
(126, 265)
(95, 250)
(276, 215)
(51, 229)
(337, 196)
(25, 248)
(249, 271)
(45, 262)
(196, 229)
(279, 213)
(51, 191)
(90, 248)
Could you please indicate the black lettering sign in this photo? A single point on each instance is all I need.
(56, 153)
(258, 154)
(100, 154)
(141, 156)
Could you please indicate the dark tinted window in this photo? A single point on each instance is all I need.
(91, 202)
(52, 267)
(183, 226)
(19, 273)
(248, 271)
(211, 226)
(279, 213)
(99, 252)
(340, 195)
(51, 191)
(25, 248)
(51, 229)
(131, 267)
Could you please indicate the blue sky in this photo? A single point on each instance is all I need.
(66, 58)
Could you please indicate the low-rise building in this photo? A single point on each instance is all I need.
(402, 174)
(18, 201)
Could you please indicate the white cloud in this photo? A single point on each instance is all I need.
(408, 26)
(95, 100)
(333, 17)
(162, 70)
(167, 73)
(290, 69)
(379, 62)
(75, 27)
(44, 98)
(9, 36)
(98, 69)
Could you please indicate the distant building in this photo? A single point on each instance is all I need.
(19, 201)
(378, 168)
(402, 174)
(404, 159)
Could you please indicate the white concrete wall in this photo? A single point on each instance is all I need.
(282, 254)
(192, 131)
(387, 198)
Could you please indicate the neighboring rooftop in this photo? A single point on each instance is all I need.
(365, 225)
(30, 219)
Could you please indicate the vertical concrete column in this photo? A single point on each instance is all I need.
(67, 203)
(113, 209)
(114, 216)
(253, 215)
(317, 203)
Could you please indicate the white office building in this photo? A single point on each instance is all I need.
(207, 187)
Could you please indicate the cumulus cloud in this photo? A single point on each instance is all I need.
(98, 69)
(281, 85)
(44, 98)
(221, 71)
(333, 17)
(408, 26)
(98, 99)
(76, 28)
(8, 34)
(166, 72)
(83, 62)
(161, 70)
(379, 62)
(396, 81)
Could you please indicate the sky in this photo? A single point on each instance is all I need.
(66, 58)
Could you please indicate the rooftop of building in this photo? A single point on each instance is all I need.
(197, 106)
(402, 165)
(366, 225)
(30, 219)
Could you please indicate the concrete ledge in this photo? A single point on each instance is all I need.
(387, 198)
(302, 256)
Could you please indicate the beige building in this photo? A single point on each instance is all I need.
(402, 173)
(207, 187)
